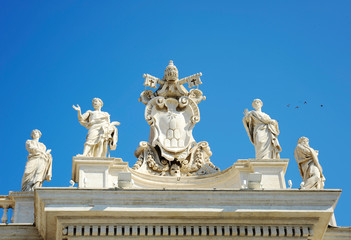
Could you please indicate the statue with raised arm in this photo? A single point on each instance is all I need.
(39, 163)
(102, 133)
(310, 169)
(263, 132)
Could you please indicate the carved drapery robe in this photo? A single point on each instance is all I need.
(101, 133)
(310, 169)
(263, 133)
(38, 166)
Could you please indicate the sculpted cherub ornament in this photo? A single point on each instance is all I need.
(102, 133)
(172, 112)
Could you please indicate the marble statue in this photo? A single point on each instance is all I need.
(172, 112)
(263, 132)
(102, 133)
(39, 163)
(310, 169)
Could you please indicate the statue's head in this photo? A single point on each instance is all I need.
(257, 104)
(97, 103)
(35, 134)
(171, 72)
(303, 140)
(175, 170)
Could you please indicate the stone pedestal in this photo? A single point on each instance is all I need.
(94, 172)
(24, 207)
(272, 170)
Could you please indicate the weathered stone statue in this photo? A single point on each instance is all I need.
(172, 112)
(310, 169)
(102, 133)
(263, 132)
(39, 163)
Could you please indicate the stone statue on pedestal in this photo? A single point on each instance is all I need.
(172, 112)
(39, 163)
(263, 132)
(102, 133)
(310, 169)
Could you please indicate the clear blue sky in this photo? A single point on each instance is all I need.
(54, 55)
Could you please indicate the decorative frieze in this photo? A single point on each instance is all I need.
(188, 230)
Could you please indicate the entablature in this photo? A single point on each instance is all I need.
(66, 208)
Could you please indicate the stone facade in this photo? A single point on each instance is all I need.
(172, 211)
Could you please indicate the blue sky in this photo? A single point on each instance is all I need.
(54, 55)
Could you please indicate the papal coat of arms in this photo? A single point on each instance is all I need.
(172, 112)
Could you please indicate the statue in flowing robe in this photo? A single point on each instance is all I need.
(102, 133)
(310, 169)
(263, 132)
(39, 163)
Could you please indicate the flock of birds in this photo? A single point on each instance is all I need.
(305, 102)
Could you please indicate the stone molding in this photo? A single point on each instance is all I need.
(337, 233)
(92, 172)
(272, 170)
(19, 232)
(189, 230)
(57, 209)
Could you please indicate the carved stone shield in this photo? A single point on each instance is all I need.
(172, 125)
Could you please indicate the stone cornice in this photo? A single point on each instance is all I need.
(56, 207)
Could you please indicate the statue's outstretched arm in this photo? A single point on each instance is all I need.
(82, 118)
(115, 123)
(79, 111)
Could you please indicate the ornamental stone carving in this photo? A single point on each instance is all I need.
(263, 132)
(172, 112)
(39, 163)
(102, 133)
(310, 169)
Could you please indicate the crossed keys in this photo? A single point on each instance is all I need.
(193, 80)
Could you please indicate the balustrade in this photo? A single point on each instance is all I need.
(6, 203)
